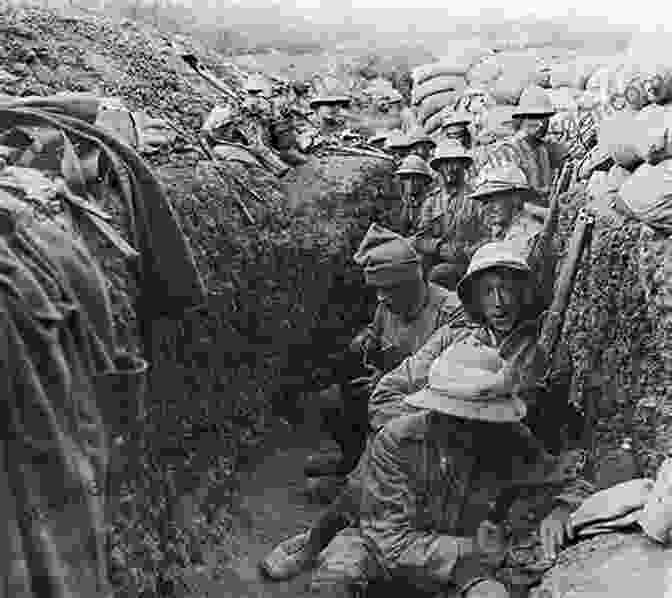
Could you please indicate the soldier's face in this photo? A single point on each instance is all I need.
(255, 102)
(449, 171)
(331, 113)
(402, 298)
(498, 213)
(414, 185)
(393, 109)
(424, 150)
(500, 295)
(534, 128)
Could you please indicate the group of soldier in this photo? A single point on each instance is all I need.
(430, 422)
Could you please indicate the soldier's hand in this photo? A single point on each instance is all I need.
(367, 382)
(553, 531)
(426, 245)
(364, 342)
(492, 543)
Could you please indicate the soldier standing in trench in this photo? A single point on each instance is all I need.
(500, 295)
(409, 310)
(528, 149)
(450, 218)
(329, 111)
(415, 177)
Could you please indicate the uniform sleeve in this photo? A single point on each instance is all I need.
(388, 511)
(386, 401)
(563, 474)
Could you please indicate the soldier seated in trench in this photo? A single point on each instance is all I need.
(501, 299)
(409, 310)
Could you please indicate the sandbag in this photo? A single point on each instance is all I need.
(433, 123)
(508, 90)
(564, 98)
(648, 194)
(485, 71)
(437, 85)
(575, 73)
(435, 103)
(460, 57)
(653, 141)
(616, 136)
(495, 124)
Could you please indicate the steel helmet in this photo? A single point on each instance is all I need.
(414, 165)
(534, 102)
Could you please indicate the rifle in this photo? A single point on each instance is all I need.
(539, 258)
(548, 339)
(554, 318)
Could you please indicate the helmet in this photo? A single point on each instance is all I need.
(414, 165)
(534, 101)
(499, 179)
(418, 135)
(450, 150)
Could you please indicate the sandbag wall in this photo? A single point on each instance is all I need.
(619, 330)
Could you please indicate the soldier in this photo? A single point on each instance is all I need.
(258, 101)
(527, 149)
(329, 110)
(499, 295)
(509, 214)
(415, 177)
(397, 144)
(420, 144)
(455, 125)
(409, 310)
(449, 443)
(450, 219)
(393, 104)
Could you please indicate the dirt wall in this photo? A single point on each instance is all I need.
(619, 331)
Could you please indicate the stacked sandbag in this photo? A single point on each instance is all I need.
(518, 71)
(616, 135)
(564, 99)
(494, 124)
(653, 141)
(440, 84)
(435, 94)
(485, 72)
(602, 184)
(575, 73)
(461, 55)
(648, 194)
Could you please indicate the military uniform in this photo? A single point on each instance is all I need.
(420, 497)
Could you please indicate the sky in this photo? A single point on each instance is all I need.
(648, 15)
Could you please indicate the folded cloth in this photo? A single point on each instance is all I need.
(168, 277)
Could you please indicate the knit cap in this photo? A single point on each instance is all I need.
(387, 257)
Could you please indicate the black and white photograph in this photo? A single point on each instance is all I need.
(356, 299)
